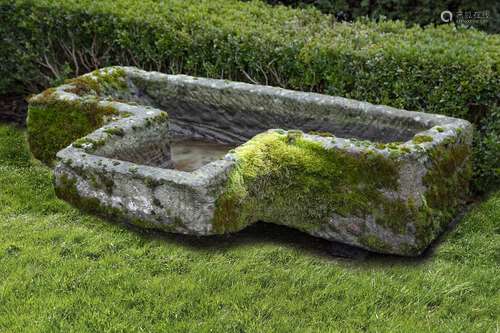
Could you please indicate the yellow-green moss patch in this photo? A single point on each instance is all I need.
(99, 82)
(286, 175)
(447, 182)
(418, 139)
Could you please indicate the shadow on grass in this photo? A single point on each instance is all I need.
(266, 233)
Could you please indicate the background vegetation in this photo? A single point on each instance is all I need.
(61, 270)
(435, 69)
(422, 12)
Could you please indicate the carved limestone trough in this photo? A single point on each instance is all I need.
(380, 178)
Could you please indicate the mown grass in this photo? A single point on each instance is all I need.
(61, 270)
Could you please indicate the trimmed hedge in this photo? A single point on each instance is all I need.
(434, 69)
(422, 12)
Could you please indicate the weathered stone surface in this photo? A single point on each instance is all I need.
(384, 179)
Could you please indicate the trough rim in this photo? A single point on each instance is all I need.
(439, 127)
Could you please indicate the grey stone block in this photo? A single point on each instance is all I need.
(384, 179)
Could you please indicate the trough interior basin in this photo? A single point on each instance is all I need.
(191, 154)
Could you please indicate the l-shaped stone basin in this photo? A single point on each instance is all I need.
(384, 179)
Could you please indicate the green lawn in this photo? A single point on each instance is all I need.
(61, 270)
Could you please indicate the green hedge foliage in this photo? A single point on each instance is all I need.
(434, 69)
(422, 12)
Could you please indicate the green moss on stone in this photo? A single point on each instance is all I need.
(447, 183)
(361, 143)
(151, 182)
(92, 144)
(99, 82)
(418, 139)
(177, 223)
(161, 118)
(115, 131)
(300, 179)
(143, 224)
(394, 145)
(108, 183)
(396, 148)
(158, 119)
(293, 135)
(393, 215)
(322, 133)
(126, 114)
(374, 242)
(279, 175)
(53, 124)
(450, 140)
(68, 191)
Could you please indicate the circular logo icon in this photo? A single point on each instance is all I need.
(446, 16)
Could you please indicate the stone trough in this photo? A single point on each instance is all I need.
(202, 156)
